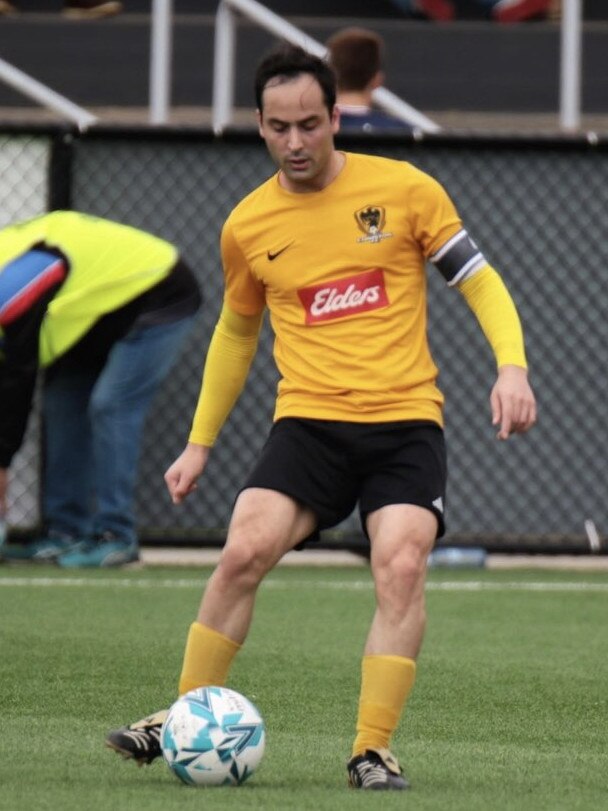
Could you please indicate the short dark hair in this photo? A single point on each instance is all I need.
(288, 62)
(356, 57)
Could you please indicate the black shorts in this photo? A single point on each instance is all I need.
(331, 466)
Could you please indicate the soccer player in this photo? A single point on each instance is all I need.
(334, 246)
(104, 309)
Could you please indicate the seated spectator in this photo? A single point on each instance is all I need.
(356, 54)
(77, 9)
(504, 11)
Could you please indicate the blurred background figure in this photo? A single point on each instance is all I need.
(103, 309)
(77, 9)
(503, 11)
(356, 55)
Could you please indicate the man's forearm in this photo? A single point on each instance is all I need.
(488, 297)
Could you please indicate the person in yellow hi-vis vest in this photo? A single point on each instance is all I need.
(103, 309)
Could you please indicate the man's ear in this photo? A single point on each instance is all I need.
(378, 80)
(258, 118)
(335, 119)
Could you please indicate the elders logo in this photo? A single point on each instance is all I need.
(344, 297)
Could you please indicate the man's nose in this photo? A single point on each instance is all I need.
(294, 140)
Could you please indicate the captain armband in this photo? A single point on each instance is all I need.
(458, 259)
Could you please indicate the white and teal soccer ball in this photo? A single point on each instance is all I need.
(213, 736)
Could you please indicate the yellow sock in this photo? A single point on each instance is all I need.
(386, 682)
(207, 658)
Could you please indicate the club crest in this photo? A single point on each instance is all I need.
(371, 220)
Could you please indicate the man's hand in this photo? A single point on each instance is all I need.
(512, 402)
(181, 477)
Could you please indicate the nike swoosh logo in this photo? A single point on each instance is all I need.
(273, 255)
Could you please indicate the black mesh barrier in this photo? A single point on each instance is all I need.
(184, 193)
(539, 211)
(24, 193)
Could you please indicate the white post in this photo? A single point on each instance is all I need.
(44, 95)
(160, 61)
(223, 67)
(570, 73)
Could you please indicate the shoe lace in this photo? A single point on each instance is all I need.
(144, 738)
(370, 773)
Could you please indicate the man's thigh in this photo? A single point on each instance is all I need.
(401, 527)
(303, 460)
(406, 465)
(270, 523)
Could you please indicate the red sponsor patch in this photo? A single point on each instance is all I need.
(344, 297)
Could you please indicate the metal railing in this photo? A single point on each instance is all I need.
(22, 82)
(225, 59)
(570, 65)
(224, 68)
(161, 52)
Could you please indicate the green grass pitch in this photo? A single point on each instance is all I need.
(509, 710)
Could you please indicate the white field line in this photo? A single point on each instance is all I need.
(335, 585)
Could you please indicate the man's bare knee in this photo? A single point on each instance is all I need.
(400, 572)
(245, 561)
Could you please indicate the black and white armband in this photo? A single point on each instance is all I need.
(458, 259)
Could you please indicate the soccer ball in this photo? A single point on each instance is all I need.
(213, 736)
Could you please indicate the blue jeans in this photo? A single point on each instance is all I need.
(93, 428)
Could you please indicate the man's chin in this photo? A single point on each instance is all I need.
(299, 174)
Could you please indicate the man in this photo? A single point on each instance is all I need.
(334, 245)
(356, 56)
(103, 308)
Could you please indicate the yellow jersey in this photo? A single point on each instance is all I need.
(342, 273)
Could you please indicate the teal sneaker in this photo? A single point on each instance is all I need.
(101, 553)
(44, 550)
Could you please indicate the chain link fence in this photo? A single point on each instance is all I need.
(537, 208)
(24, 193)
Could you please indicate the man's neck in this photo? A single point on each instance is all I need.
(354, 98)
